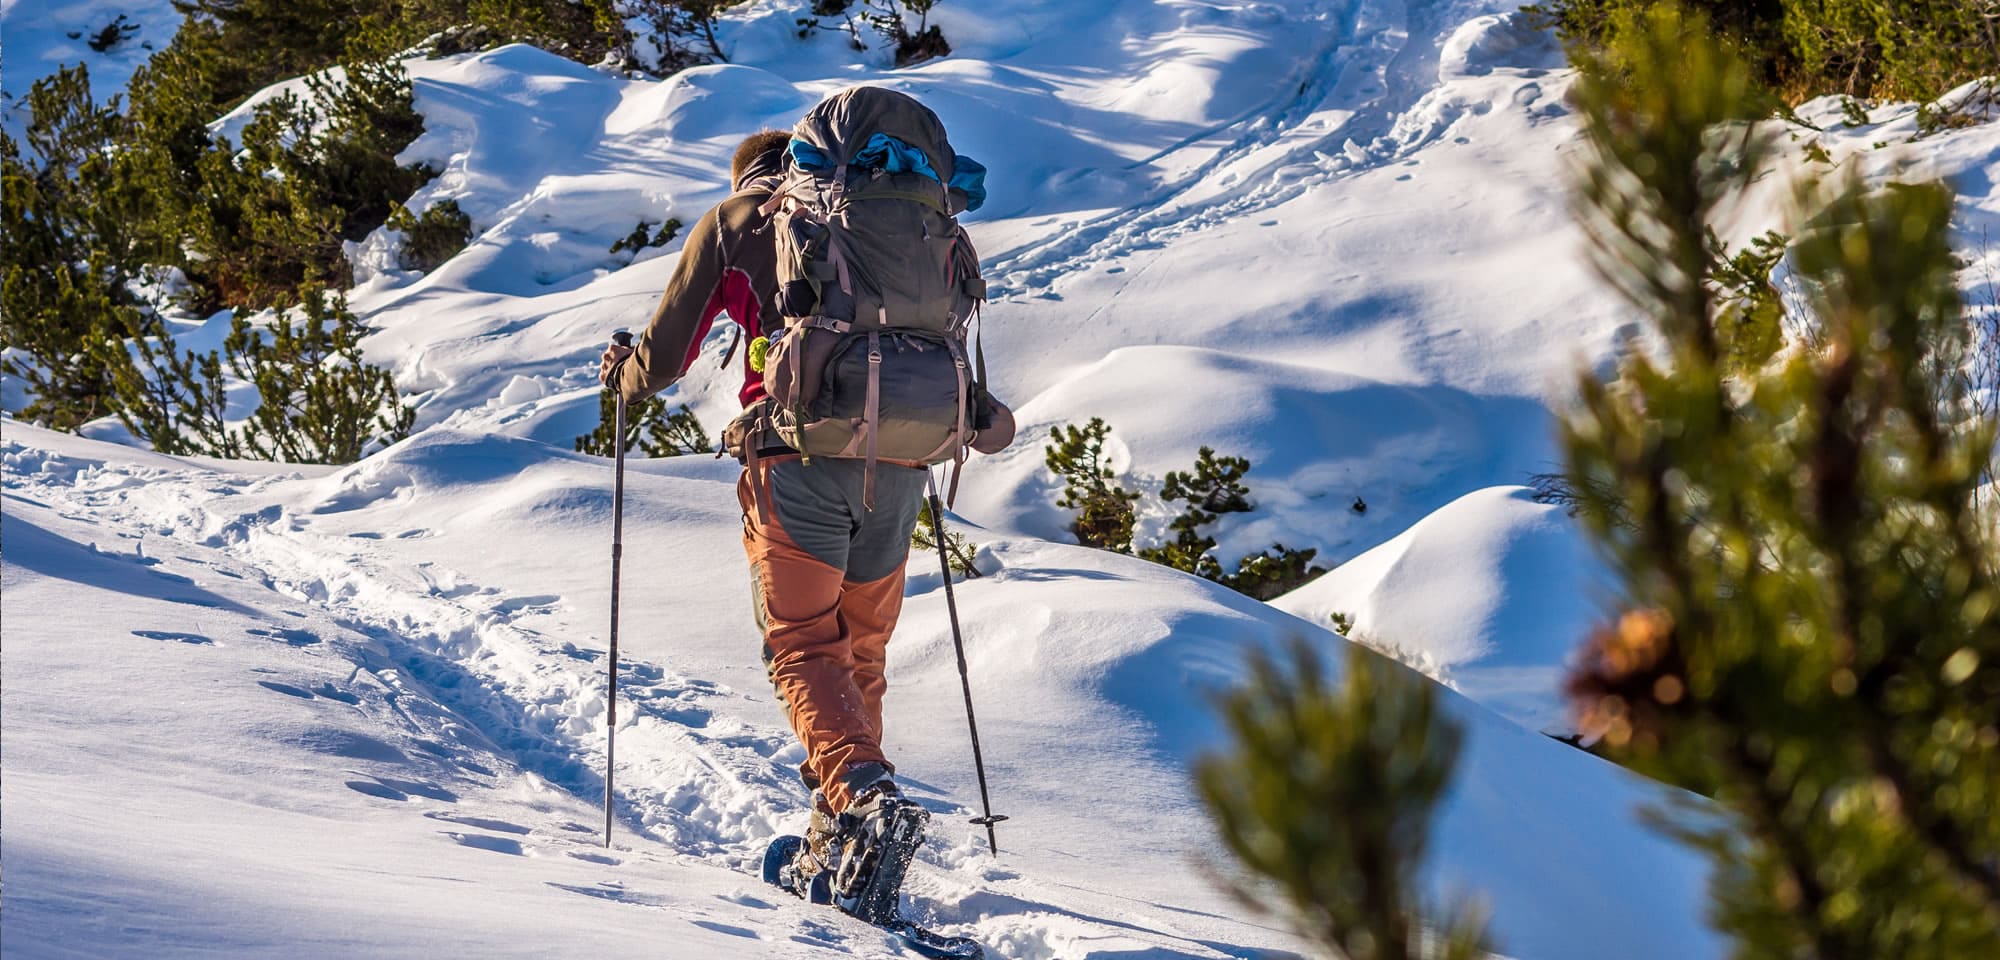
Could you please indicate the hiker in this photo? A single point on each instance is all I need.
(857, 380)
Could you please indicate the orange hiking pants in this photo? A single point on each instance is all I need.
(826, 588)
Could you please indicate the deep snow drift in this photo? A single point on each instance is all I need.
(255, 708)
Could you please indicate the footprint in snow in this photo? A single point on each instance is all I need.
(286, 689)
(326, 690)
(483, 823)
(613, 893)
(377, 790)
(399, 790)
(172, 635)
(538, 604)
(480, 841)
(286, 635)
(741, 898)
(744, 932)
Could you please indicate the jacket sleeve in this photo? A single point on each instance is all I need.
(693, 299)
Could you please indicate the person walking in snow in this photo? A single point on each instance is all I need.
(858, 379)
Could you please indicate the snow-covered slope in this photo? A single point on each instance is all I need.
(358, 711)
(1490, 593)
(299, 703)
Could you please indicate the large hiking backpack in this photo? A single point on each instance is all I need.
(878, 286)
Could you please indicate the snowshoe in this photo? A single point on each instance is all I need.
(783, 869)
(857, 864)
(883, 831)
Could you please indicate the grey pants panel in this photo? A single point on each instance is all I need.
(820, 506)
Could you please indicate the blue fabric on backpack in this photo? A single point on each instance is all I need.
(895, 156)
(969, 177)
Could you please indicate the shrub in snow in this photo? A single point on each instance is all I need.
(1326, 794)
(677, 26)
(313, 172)
(72, 248)
(643, 236)
(958, 550)
(913, 46)
(1272, 572)
(432, 239)
(1213, 488)
(1104, 515)
(1899, 49)
(246, 45)
(317, 401)
(649, 429)
(1811, 623)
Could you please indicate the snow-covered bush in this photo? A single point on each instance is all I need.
(317, 401)
(913, 45)
(431, 239)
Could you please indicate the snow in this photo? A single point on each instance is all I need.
(1489, 593)
(379, 673)
(359, 710)
(38, 42)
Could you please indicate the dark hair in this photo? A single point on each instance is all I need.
(754, 147)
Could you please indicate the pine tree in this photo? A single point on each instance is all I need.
(1326, 794)
(1214, 488)
(1273, 572)
(318, 401)
(958, 550)
(1104, 515)
(1811, 616)
(70, 221)
(431, 239)
(649, 429)
(678, 24)
(676, 434)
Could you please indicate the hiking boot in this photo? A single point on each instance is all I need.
(880, 833)
(824, 836)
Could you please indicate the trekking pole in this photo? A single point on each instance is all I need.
(958, 641)
(624, 339)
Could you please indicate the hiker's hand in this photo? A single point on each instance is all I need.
(605, 364)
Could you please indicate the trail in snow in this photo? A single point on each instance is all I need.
(1349, 110)
(462, 692)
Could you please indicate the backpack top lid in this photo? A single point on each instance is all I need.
(842, 125)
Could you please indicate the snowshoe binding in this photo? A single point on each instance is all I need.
(856, 862)
(882, 832)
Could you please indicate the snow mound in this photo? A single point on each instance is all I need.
(1490, 594)
(1483, 44)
